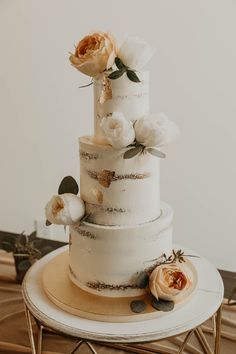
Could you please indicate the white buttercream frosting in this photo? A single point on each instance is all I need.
(130, 98)
(115, 255)
(117, 191)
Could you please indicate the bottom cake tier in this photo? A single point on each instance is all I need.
(107, 260)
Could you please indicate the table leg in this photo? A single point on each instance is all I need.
(139, 348)
(198, 331)
(181, 349)
(30, 330)
(40, 339)
(89, 345)
(202, 339)
(218, 331)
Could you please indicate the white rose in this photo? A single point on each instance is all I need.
(65, 209)
(155, 131)
(135, 53)
(170, 282)
(118, 130)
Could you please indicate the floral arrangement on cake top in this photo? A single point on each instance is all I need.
(98, 56)
(97, 53)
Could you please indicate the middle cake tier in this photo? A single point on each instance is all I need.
(118, 191)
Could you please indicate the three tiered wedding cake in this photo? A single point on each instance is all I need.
(120, 231)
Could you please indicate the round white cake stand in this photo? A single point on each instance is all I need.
(204, 304)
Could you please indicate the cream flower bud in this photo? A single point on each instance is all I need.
(155, 131)
(65, 209)
(171, 282)
(135, 53)
(118, 130)
(94, 54)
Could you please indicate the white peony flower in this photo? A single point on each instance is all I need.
(171, 282)
(65, 209)
(118, 130)
(135, 53)
(155, 131)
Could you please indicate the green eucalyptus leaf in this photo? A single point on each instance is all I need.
(119, 63)
(116, 74)
(156, 152)
(132, 76)
(142, 280)
(68, 185)
(138, 306)
(24, 265)
(7, 246)
(132, 152)
(91, 83)
(163, 305)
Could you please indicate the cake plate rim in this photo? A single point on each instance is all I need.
(204, 303)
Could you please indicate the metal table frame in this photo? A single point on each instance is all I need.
(142, 348)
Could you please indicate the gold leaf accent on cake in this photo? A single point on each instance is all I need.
(105, 177)
(98, 194)
(106, 93)
(101, 286)
(87, 156)
(104, 208)
(115, 210)
(86, 233)
(132, 176)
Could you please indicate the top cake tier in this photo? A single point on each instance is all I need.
(120, 95)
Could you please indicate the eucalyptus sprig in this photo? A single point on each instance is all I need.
(176, 256)
(87, 85)
(122, 68)
(137, 148)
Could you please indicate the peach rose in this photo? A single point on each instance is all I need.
(170, 282)
(94, 54)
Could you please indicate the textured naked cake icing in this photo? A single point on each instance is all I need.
(120, 231)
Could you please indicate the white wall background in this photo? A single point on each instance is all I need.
(193, 79)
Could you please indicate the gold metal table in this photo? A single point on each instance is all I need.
(135, 336)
